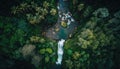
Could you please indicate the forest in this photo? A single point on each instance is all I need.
(31, 31)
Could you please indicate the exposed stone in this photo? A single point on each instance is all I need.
(64, 24)
(53, 32)
(70, 35)
(57, 29)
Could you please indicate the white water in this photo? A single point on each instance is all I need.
(60, 51)
(64, 17)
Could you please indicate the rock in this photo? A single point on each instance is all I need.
(70, 35)
(75, 28)
(57, 29)
(64, 24)
(53, 32)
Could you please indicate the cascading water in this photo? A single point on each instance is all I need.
(60, 51)
(64, 15)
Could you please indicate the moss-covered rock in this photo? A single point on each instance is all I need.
(57, 29)
(64, 24)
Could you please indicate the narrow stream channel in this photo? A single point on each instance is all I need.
(64, 15)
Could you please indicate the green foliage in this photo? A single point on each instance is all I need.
(91, 45)
(18, 36)
(80, 7)
(11, 36)
(47, 59)
(16, 54)
(101, 12)
(69, 52)
(95, 44)
(69, 64)
(53, 11)
(33, 12)
(42, 51)
(76, 55)
(87, 11)
(49, 50)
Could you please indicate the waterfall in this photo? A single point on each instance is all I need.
(60, 51)
(64, 15)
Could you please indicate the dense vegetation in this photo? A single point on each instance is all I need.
(95, 44)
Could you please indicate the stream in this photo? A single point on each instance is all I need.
(64, 16)
(63, 33)
(65, 25)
